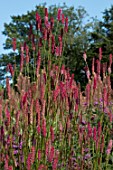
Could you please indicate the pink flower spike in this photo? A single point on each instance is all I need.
(100, 54)
(110, 145)
(110, 59)
(59, 14)
(46, 12)
(84, 56)
(14, 44)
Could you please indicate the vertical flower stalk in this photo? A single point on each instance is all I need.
(38, 64)
(22, 59)
(8, 88)
(108, 151)
(52, 133)
(44, 130)
(14, 44)
(59, 14)
(100, 53)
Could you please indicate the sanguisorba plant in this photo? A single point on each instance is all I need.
(47, 122)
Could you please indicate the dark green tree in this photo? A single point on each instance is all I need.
(102, 36)
(77, 40)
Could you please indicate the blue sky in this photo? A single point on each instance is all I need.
(15, 7)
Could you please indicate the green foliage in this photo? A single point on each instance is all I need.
(77, 40)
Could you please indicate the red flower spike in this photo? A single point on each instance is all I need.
(39, 154)
(63, 19)
(51, 22)
(66, 24)
(52, 133)
(59, 14)
(93, 66)
(100, 54)
(46, 12)
(14, 44)
(110, 145)
(110, 59)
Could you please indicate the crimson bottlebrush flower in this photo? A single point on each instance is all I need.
(60, 45)
(76, 107)
(100, 53)
(38, 129)
(46, 22)
(88, 74)
(43, 108)
(46, 12)
(51, 154)
(27, 54)
(51, 22)
(109, 70)
(40, 42)
(63, 19)
(52, 134)
(110, 145)
(66, 24)
(59, 14)
(2, 133)
(38, 109)
(32, 154)
(45, 34)
(24, 99)
(39, 154)
(52, 44)
(22, 59)
(62, 69)
(17, 118)
(110, 59)
(47, 149)
(24, 45)
(38, 63)
(99, 130)
(104, 67)
(56, 93)
(60, 127)
(95, 82)
(10, 69)
(38, 22)
(93, 67)
(44, 131)
(6, 162)
(10, 167)
(41, 167)
(88, 93)
(29, 162)
(75, 93)
(105, 96)
(8, 87)
(98, 66)
(37, 16)
(55, 163)
(14, 44)
(110, 117)
(89, 130)
(57, 51)
(44, 76)
(84, 56)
